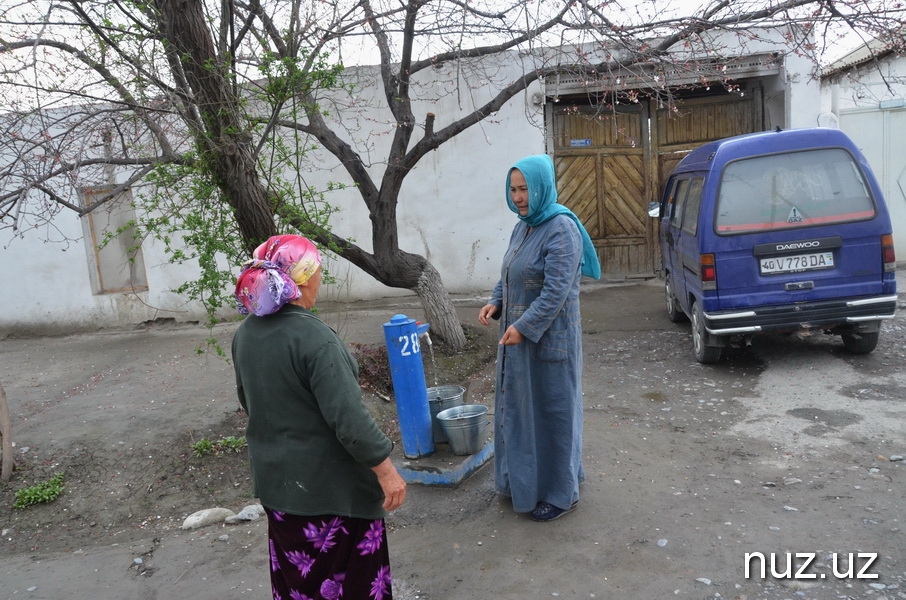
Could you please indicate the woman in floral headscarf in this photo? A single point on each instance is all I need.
(538, 401)
(320, 464)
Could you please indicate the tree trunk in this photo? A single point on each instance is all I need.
(243, 191)
(222, 135)
(6, 439)
(439, 310)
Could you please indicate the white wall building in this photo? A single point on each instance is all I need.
(864, 94)
(451, 210)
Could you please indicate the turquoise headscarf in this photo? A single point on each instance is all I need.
(539, 174)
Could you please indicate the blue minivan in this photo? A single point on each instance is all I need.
(780, 231)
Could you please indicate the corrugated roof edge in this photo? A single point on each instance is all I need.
(871, 50)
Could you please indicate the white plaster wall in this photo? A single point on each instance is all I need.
(48, 268)
(802, 97)
(865, 87)
(869, 104)
(49, 289)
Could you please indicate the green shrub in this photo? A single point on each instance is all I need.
(230, 443)
(202, 447)
(46, 491)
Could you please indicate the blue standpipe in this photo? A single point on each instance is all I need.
(403, 336)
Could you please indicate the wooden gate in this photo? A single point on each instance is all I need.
(611, 163)
(600, 160)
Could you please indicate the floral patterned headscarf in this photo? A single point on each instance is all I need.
(273, 276)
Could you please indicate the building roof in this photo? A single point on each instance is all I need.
(871, 50)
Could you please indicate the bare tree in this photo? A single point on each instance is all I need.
(163, 89)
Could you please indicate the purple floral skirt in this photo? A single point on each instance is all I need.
(328, 557)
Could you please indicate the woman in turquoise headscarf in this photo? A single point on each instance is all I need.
(538, 403)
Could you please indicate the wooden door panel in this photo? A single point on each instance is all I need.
(587, 127)
(607, 193)
(666, 164)
(624, 249)
(577, 182)
(701, 120)
(624, 193)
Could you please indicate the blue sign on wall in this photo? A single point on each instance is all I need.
(575, 143)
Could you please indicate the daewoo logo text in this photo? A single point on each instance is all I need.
(799, 245)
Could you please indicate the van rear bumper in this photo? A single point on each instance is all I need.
(805, 315)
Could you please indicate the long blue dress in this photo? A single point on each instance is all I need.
(538, 404)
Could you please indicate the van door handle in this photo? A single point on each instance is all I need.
(797, 286)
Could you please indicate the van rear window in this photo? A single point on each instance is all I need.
(791, 190)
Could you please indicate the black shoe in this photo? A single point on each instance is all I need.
(546, 511)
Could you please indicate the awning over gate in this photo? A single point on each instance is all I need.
(691, 72)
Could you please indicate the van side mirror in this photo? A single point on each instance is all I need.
(654, 209)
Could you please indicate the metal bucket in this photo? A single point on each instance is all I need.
(464, 427)
(441, 398)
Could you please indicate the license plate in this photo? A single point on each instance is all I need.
(797, 263)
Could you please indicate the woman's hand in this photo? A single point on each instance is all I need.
(511, 337)
(391, 483)
(487, 312)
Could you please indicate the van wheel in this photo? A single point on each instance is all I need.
(703, 354)
(674, 312)
(860, 343)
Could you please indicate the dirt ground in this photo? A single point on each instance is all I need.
(789, 447)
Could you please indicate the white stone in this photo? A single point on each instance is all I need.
(252, 512)
(206, 517)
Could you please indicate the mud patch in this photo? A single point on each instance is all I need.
(886, 392)
(824, 421)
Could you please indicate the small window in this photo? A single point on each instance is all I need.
(115, 255)
(678, 200)
(792, 190)
(667, 202)
(693, 204)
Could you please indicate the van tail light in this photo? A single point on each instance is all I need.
(890, 259)
(709, 272)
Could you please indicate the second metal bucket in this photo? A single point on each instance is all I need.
(464, 427)
(441, 398)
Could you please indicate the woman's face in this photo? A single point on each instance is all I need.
(519, 191)
(310, 288)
